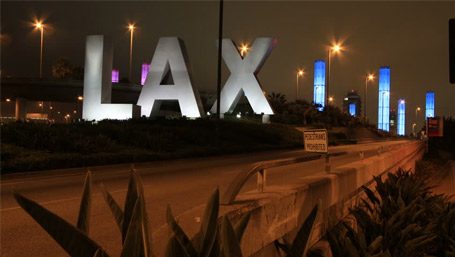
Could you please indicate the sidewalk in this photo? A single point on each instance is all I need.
(446, 184)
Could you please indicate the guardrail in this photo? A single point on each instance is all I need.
(261, 169)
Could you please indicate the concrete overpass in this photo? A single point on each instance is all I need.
(22, 90)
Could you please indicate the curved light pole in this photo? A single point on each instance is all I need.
(335, 48)
(367, 78)
(413, 126)
(131, 28)
(40, 26)
(299, 74)
(417, 110)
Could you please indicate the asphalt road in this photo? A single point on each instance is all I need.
(183, 184)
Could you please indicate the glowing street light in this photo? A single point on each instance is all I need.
(335, 48)
(8, 100)
(80, 98)
(243, 50)
(131, 28)
(299, 74)
(40, 26)
(330, 99)
(367, 78)
(417, 110)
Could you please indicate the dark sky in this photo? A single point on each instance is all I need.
(410, 37)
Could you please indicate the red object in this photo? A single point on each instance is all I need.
(435, 127)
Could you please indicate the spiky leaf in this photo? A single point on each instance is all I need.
(299, 245)
(130, 201)
(231, 246)
(240, 227)
(113, 206)
(133, 240)
(175, 229)
(209, 224)
(83, 220)
(71, 239)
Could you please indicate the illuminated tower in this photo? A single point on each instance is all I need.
(384, 98)
(429, 112)
(319, 83)
(145, 70)
(115, 76)
(401, 117)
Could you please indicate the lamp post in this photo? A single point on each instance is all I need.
(413, 126)
(299, 74)
(40, 26)
(367, 78)
(335, 49)
(131, 28)
(417, 110)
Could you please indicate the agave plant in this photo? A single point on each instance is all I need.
(132, 221)
(73, 239)
(212, 239)
(299, 246)
(400, 219)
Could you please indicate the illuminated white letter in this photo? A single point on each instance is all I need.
(97, 83)
(169, 57)
(243, 76)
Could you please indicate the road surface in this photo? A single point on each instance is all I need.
(183, 184)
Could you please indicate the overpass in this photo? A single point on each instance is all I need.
(22, 90)
(186, 185)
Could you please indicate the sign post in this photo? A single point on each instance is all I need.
(317, 141)
(435, 127)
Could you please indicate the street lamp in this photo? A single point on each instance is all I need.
(413, 126)
(367, 78)
(417, 110)
(243, 50)
(40, 26)
(335, 48)
(299, 74)
(131, 28)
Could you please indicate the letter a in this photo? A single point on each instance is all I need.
(98, 85)
(243, 76)
(169, 57)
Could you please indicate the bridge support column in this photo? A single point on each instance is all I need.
(21, 109)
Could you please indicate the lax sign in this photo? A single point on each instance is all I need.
(170, 56)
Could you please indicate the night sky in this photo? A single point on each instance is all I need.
(410, 37)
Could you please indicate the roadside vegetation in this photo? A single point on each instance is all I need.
(401, 217)
(37, 146)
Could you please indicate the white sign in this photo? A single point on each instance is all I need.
(97, 83)
(170, 57)
(243, 78)
(316, 141)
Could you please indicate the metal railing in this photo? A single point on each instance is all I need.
(261, 169)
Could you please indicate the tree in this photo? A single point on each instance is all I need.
(278, 101)
(62, 68)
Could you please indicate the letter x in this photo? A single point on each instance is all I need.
(243, 76)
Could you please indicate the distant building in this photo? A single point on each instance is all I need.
(393, 121)
(352, 103)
